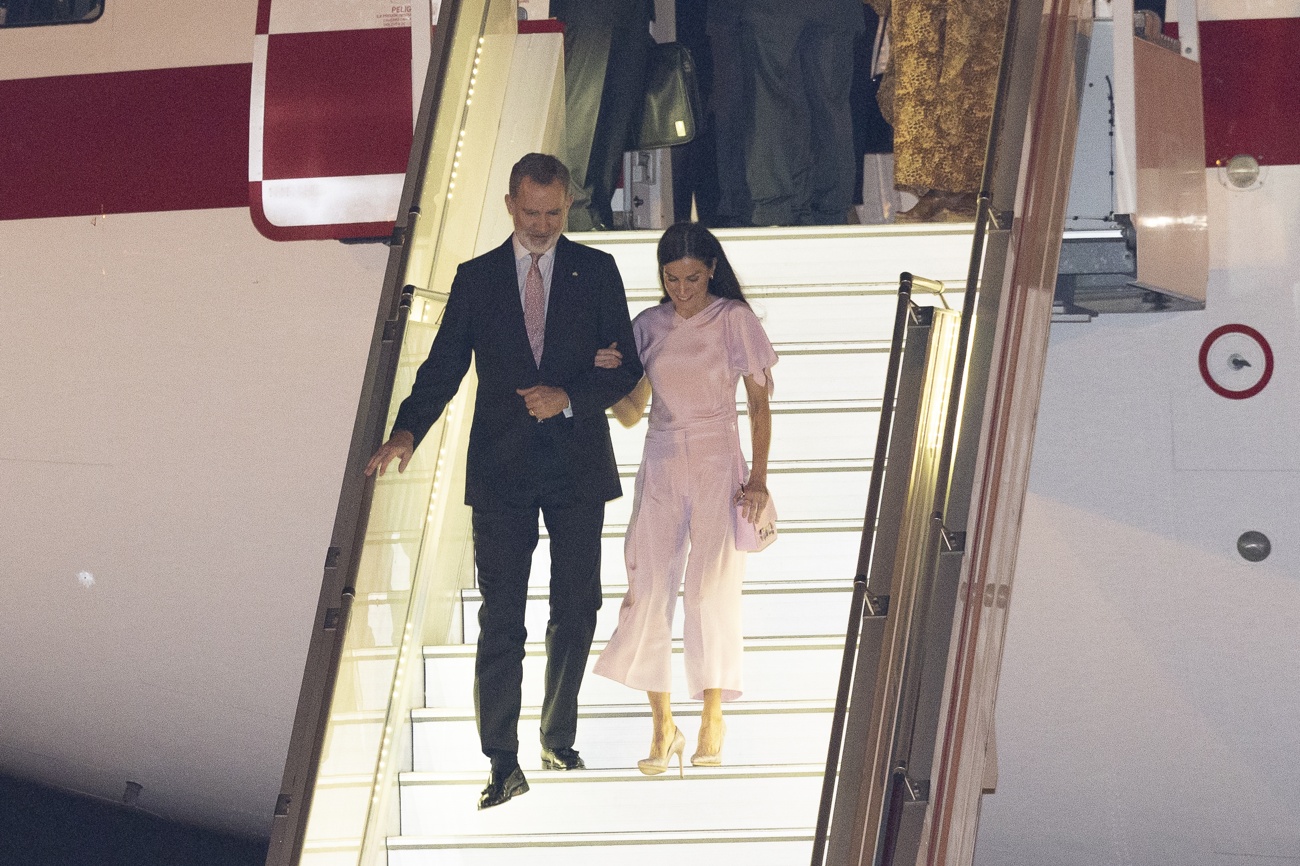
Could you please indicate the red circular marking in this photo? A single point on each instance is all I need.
(1246, 331)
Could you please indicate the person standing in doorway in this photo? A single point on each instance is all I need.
(606, 49)
(799, 160)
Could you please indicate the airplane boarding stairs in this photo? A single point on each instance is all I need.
(827, 299)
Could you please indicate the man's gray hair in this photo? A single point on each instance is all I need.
(541, 168)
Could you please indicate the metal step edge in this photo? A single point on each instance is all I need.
(542, 777)
(649, 238)
(614, 591)
(810, 407)
(574, 840)
(618, 590)
(792, 467)
(634, 711)
(346, 780)
(830, 524)
(618, 530)
(332, 846)
(752, 644)
(803, 407)
(832, 347)
(821, 289)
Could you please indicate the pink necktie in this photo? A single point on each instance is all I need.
(535, 308)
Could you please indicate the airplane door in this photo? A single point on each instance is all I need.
(332, 113)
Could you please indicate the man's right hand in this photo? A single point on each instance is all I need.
(401, 445)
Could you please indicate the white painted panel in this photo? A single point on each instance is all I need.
(1140, 645)
(1254, 280)
(1230, 10)
(171, 356)
(257, 110)
(313, 16)
(134, 35)
(311, 201)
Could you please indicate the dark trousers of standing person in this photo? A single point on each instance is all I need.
(731, 111)
(695, 164)
(799, 161)
(504, 541)
(606, 49)
(871, 132)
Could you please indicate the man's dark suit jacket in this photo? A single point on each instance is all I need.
(586, 311)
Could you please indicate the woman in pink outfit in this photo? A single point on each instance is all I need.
(696, 345)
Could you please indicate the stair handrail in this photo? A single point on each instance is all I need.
(996, 201)
(342, 559)
(860, 599)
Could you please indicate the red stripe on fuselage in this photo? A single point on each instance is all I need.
(338, 103)
(1250, 74)
(177, 139)
(125, 142)
(541, 25)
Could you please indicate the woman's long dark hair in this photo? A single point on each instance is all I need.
(694, 241)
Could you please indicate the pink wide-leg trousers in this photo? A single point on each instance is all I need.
(681, 529)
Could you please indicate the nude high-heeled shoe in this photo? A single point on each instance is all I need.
(653, 766)
(712, 759)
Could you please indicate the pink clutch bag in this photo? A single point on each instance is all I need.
(750, 537)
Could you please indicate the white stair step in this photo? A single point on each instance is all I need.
(829, 554)
(615, 801)
(794, 669)
(700, 848)
(798, 496)
(844, 375)
(616, 737)
(827, 299)
(768, 609)
(787, 259)
(801, 430)
(851, 314)
(350, 743)
(859, 315)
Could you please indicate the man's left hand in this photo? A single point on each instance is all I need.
(544, 401)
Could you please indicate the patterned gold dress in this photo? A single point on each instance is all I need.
(938, 89)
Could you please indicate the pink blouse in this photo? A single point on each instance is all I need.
(695, 364)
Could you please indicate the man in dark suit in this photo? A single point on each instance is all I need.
(532, 313)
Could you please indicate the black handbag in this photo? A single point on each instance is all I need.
(671, 113)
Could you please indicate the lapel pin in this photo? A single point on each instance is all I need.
(574, 274)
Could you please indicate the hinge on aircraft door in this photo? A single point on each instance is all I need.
(915, 790)
(953, 542)
(1000, 220)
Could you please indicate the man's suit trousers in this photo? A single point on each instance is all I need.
(504, 542)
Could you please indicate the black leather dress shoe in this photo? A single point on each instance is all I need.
(501, 788)
(561, 759)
